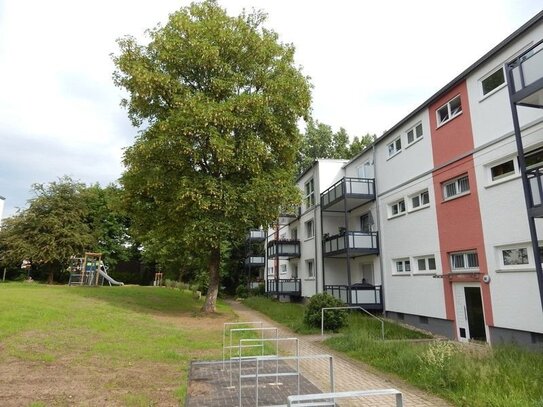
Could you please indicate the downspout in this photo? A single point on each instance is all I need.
(379, 242)
(346, 242)
(276, 260)
(316, 251)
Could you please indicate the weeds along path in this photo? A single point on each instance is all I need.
(349, 374)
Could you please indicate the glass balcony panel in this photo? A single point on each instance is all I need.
(533, 68)
(535, 177)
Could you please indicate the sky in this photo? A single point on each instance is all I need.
(370, 64)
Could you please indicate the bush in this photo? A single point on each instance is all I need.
(242, 291)
(259, 291)
(333, 319)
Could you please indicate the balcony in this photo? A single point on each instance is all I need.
(256, 235)
(526, 77)
(288, 248)
(368, 297)
(355, 192)
(535, 181)
(356, 243)
(254, 261)
(284, 286)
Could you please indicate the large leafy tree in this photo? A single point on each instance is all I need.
(65, 218)
(217, 99)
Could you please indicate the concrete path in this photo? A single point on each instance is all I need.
(349, 374)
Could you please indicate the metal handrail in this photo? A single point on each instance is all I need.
(310, 399)
(353, 307)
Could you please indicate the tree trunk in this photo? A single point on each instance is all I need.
(50, 277)
(214, 280)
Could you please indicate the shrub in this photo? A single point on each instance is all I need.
(259, 291)
(333, 319)
(242, 291)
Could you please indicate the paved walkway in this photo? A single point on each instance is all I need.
(349, 374)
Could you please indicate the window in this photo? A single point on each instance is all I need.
(283, 269)
(294, 234)
(456, 187)
(397, 208)
(310, 270)
(402, 265)
(270, 271)
(414, 134)
(295, 271)
(309, 193)
(427, 263)
(515, 257)
(502, 170)
(534, 158)
(395, 147)
(309, 229)
(420, 200)
(365, 170)
(493, 81)
(464, 261)
(449, 111)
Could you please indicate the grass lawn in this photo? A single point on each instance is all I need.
(470, 376)
(116, 346)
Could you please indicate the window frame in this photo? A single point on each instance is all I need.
(310, 269)
(505, 176)
(421, 205)
(415, 136)
(405, 263)
(309, 197)
(282, 269)
(397, 150)
(497, 88)
(456, 182)
(391, 206)
(465, 259)
(450, 113)
(500, 260)
(427, 269)
(309, 227)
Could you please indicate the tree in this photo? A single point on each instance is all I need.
(319, 141)
(51, 230)
(217, 99)
(65, 218)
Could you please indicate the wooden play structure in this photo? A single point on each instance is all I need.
(89, 270)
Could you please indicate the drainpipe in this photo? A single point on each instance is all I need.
(276, 260)
(346, 240)
(379, 242)
(316, 249)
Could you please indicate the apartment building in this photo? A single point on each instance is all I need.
(430, 224)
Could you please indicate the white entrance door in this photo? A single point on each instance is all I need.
(468, 304)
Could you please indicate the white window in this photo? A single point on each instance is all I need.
(420, 200)
(414, 134)
(534, 158)
(366, 170)
(295, 271)
(402, 266)
(270, 271)
(283, 269)
(426, 264)
(456, 187)
(464, 261)
(515, 256)
(397, 208)
(294, 234)
(502, 170)
(493, 81)
(310, 270)
(449, 111)
(309, 198)
(309, 229)
(395, 147)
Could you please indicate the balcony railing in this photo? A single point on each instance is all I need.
(526, 77)
(290, 286)
(535, 179)
(284, 248)
(355, 242)
(256, 235)
(254, 261)
(368, 297)
(355, 190)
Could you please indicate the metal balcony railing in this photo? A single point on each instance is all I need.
(256, 235)
(535, 180)
(284, 248)
(368, 297)
(526, 77)
(357, 188)
(356, 242)
(291, 286)
(254, 261)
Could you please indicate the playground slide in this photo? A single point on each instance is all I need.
(108, 278)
